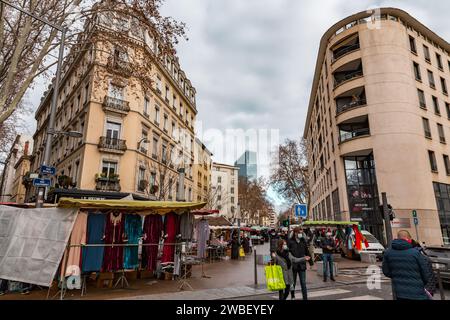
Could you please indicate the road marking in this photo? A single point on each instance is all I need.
(321, 293)
(363, 298)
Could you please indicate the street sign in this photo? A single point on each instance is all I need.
(414, 213)
(48, 170)
(301, 211)
(42, 182)
(34, 175)
(416, 221)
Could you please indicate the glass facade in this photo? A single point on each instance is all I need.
(362, 193)
(247, 164)
(442, 193)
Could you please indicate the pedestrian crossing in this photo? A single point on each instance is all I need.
(332, 294)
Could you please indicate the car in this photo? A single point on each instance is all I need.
(375, 247)
(441, 256)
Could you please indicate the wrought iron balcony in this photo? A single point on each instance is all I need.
(119, 66)
(107, 184)
(112, 145)
(116, 105)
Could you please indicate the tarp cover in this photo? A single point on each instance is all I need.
(161, 207)
(32, 242)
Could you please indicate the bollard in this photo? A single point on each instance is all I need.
(256, 268)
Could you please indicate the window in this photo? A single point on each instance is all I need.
(109, 168)
(181, 110)
(232, 190)
(152, 179)
(141, 178)
(144, 144)
(232, 199)
(426, 127)
(164, 153)
(422, 101)
(447, 164)
(157, 115)
(439, 61)
(426, 51)
(173, 130)
(437, 110)
(165, 122)
(115, 92)
(431, 79)
(432, 158)
(155, 148)
(219, 179)
(412, 44)
(447, 107)
(167, 93)
(417, 72)
(112, 131)
(174, 102)
(158, 84)
(444, 86)
(146, 105)
(441, 133)
(86, 93)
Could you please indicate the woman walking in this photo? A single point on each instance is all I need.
(285, 259)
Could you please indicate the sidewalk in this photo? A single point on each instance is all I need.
(228, 278)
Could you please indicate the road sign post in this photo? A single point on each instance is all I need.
(301, 211)
(416, 223)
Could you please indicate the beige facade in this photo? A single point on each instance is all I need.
(224, 190)
(376, 125)
(202, 171)
(134, 140)
(17, 166)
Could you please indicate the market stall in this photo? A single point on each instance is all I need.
(113, 239)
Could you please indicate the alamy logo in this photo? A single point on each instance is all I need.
(375, 19)
(374, 277)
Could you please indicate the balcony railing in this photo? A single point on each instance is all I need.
(351, 105)
(345, 136)
(112, 145)
(348, 77)
(120, 66)
(343, 51)
(116, 105)
(106, 184)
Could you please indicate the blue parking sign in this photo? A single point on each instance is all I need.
(301, 211)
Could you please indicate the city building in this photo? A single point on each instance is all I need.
(247, 164)
(17, 165)
(224, 190)
(379, 121)
(202, 169)
(135, 139)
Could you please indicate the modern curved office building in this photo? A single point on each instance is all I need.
(379, 121)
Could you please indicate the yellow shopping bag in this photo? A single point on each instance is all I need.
(274, 278)
(241, 252)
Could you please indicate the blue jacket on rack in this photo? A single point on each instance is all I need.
(408, 269)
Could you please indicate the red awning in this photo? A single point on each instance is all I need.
(204, 212)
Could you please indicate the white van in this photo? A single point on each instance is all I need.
(375, 247)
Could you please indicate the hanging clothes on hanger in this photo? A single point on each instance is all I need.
(202, 237)
(172, 226)
(133, 231)
(114, 234)
(187, 226)
(153, 228)
(77, 237)
(93, 256)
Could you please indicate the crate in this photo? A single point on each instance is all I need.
(167, 276)
(146, 274)
(105, 279)
(131, 275)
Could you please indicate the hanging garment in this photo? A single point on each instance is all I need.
(172, 226)
(114, 234)
(153, 228)
(133, 231)
(187, 226)
(93, 256)
(358, 238)
(77, 237)
(202, 237)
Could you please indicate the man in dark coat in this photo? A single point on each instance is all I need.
(328, 246)
(298, 247)
(407, 268)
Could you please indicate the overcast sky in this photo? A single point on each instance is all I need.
(252, 61)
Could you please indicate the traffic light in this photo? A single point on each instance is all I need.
(286, 223)
(390, 211)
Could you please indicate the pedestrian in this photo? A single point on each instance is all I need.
(432, 282)
(273, 241)
(407, 268)
(285, 259)
(328, 247)
(235, 247)
(298, 247)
